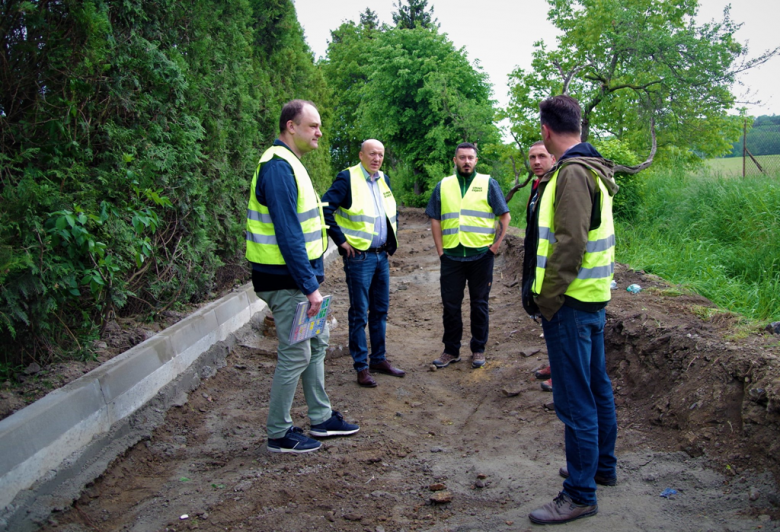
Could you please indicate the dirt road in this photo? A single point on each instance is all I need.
(697, 414)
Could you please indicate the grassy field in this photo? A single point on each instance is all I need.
(732, 166)
(715, 235)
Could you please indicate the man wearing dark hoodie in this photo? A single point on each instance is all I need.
(569, 262)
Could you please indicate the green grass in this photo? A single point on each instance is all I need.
(517, 207)
(718, 236)
(732, 166)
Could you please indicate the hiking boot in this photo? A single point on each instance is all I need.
(445, 360)
(547, 385)
(561, 510)
(293, 442)
(477, 360)
(604, 481)
(335, 426)
(543, 374)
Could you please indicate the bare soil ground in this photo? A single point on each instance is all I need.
(698, 412)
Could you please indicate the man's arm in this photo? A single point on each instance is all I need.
(501, 209)
(280, 192)
(501, 229)
(436, 232)
(433, 210)
(338, 195)
(573, 204)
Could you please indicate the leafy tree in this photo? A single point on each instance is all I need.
(369, 20)
(635, 64)
(413, 90)
(763, 137)
(129, 132)
(414, 15)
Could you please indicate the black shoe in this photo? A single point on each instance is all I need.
(293, 442)
(335, 426)
(604, 481)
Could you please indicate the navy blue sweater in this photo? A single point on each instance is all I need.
(277, 189)
(340, 195)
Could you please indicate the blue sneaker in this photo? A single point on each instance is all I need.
(293, 442)
(335, 426)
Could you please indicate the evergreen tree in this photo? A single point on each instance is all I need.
(414, 15)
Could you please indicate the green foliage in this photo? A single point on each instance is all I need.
(129, 132)
(413, 15)
(763, 137)
(717, 236)
(411, 89)
(629, 197)
(628, 61)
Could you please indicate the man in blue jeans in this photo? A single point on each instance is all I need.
(360, 211)
(285, 241)
(569, 259)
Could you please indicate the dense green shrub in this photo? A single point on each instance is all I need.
(129, 132)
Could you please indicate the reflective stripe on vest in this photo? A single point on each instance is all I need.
(598, 263)
(466, 219)
(261, 244)
(357, 222)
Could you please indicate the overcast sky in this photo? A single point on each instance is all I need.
(500, 35)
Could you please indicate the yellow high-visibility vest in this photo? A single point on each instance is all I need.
(357, 222)
(466, 219)
(598, 263)
(261, 244)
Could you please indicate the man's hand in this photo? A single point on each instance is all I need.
(316, 302)
(349, 249)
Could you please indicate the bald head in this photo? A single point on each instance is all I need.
(372, 153)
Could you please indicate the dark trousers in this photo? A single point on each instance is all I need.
(454, 277)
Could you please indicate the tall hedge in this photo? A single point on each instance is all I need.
(129, 131)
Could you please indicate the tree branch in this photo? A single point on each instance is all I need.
(518, 186)
(638, 168)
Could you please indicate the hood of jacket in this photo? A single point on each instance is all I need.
(586, 155)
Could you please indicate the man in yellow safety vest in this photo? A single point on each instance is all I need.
(463, 210)
(362, 220)
(570, 254)
(285, 241)
(540, 162)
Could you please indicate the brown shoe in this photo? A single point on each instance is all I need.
(604, 481)
(365, 379)
(386, 368)
(561, 510)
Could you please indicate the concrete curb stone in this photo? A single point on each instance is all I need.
(52, 448)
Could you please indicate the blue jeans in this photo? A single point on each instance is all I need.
(368, 282)
(583, 398)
